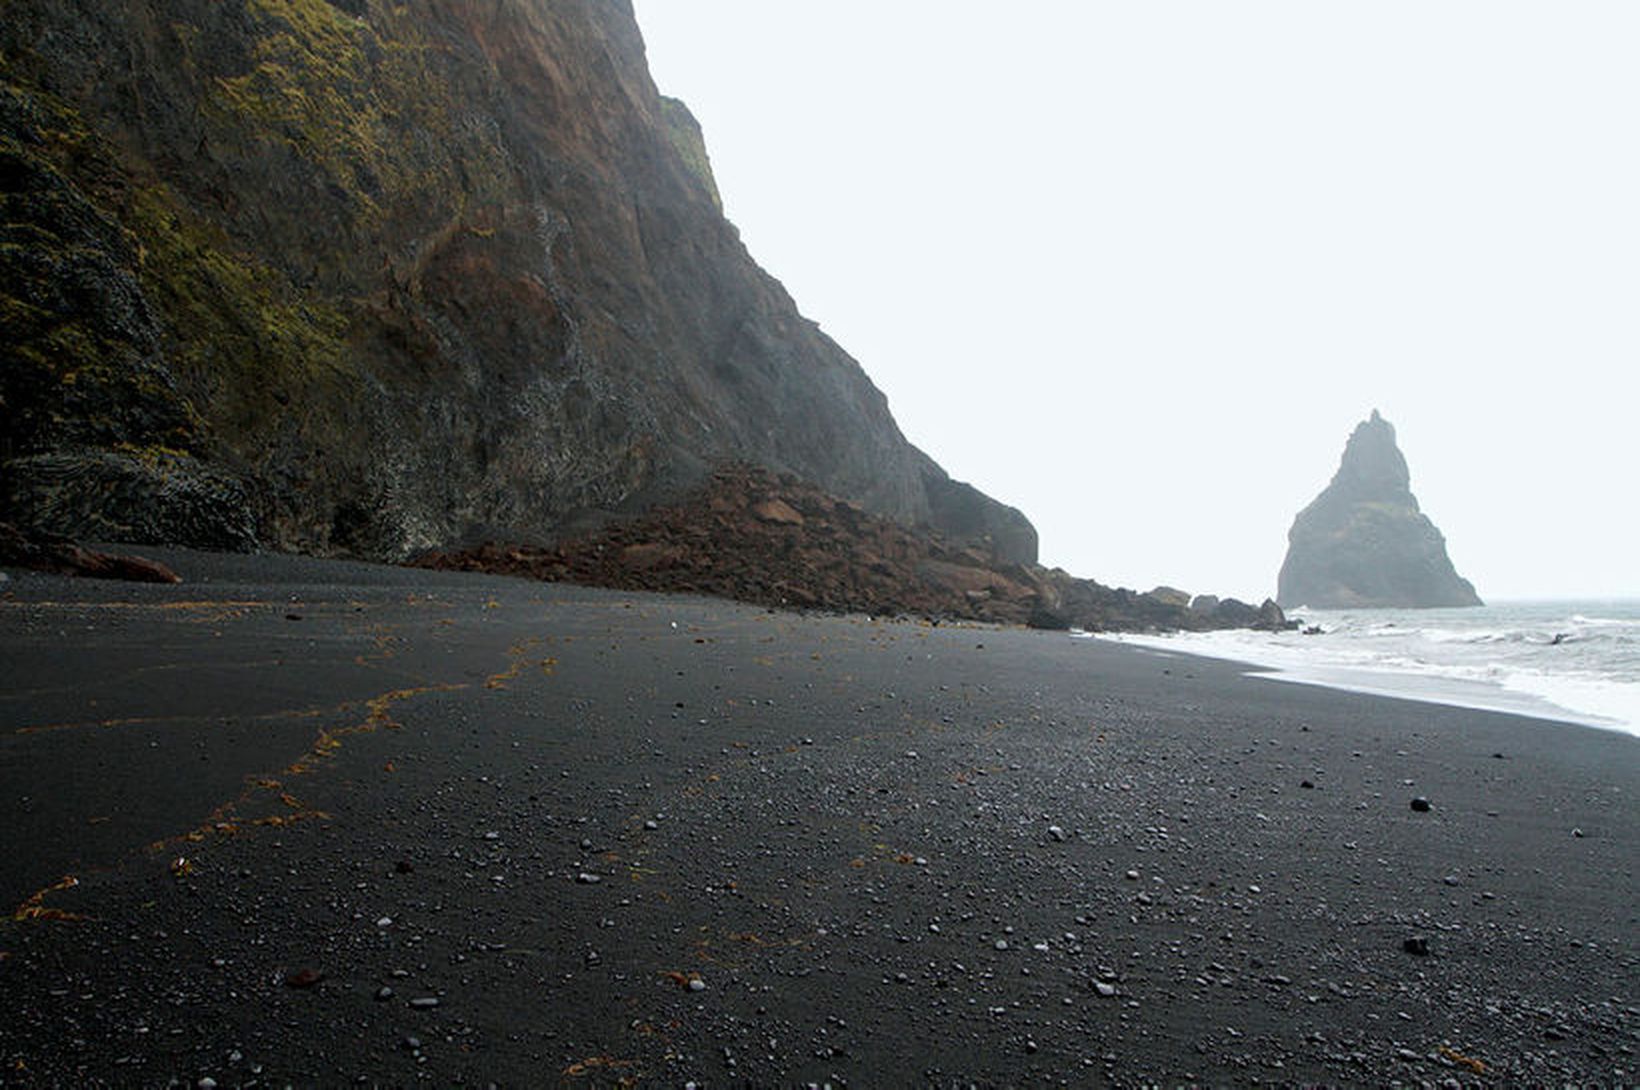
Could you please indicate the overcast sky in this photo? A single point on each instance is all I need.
(1139, 268)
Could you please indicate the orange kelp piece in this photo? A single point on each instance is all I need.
(35, 909)
(1477, 1066)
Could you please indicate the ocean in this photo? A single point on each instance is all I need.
(1573, 661)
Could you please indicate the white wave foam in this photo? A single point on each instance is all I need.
(1613, 622)
(1415, 666)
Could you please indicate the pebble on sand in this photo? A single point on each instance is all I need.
(304, 978)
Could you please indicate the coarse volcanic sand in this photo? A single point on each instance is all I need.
(332, 822)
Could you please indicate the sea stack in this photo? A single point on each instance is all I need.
(1363, 542)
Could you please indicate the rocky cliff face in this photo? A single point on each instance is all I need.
(1363, 542)
(351, 276)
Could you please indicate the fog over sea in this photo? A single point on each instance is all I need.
(1576, 661)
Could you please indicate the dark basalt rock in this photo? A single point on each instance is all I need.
(1363, 542)
(152, 498)
(380, 277)
(1234, 613)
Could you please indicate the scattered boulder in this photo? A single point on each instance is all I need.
(47, 552)
(777, 511)
(1271, 619)
(1171, 596)
(1235, 613)
(651, 555)
(304, 978)
(1045, 617)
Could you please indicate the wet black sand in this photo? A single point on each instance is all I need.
(889, 853)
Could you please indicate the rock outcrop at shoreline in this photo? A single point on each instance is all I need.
(1363, 542)
(365, 279)
(756, 536)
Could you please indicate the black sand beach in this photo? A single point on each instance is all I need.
(334, 823)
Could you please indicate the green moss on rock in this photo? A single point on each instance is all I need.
(686, 138)
(364, 110)
(80, 363)
(238, 323)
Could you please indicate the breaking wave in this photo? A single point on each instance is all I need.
(1574, 661)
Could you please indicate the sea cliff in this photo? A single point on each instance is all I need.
(361, 278)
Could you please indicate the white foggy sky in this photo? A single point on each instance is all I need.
(1138, 268)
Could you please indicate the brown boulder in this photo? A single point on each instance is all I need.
(650, 555)
(968, 579)
(1171, 596)
(43, 552)
(778, 512)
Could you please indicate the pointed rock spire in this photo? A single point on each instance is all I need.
(1363, 542)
